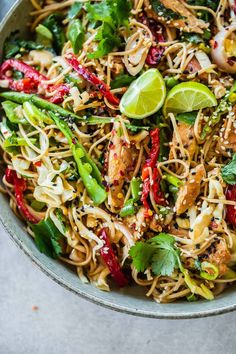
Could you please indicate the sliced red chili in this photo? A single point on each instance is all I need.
(93, 79)
(152, 182)
(230, 194)
(32, 79)
(111, 260)
(20, 187)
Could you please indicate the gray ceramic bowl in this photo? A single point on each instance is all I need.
(131, 301)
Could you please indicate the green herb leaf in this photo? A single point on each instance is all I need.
(52, 23)
(13, 46)
(76, 35)
(48, 238)
(228, 172)
(74, 10)
(159, 253)
(142, 254)
(44, 36)
(167, 13)
(192, 38)
(107, 38)
(109, 15)
(12, 143)
(187, 117)
(122, 80)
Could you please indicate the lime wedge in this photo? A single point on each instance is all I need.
(145, 95)
(188, 97)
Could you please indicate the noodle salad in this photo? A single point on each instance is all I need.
(118, 140)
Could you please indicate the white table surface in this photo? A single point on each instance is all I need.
(66, 324)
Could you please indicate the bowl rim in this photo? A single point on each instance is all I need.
(92, 298)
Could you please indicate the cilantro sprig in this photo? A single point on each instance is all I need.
(108, 16)
(159, 253)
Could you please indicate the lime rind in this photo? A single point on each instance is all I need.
(145, 96)
(188, 97)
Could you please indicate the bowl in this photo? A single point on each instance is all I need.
(130, 301)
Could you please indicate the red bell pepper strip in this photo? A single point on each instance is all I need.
(230, 194)
(152, 182)
(20, 187)
(32, 79)
(92, 78)
(111, 260)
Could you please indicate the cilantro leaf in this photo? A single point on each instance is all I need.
(99, 12)
(228, 172)
(48, 238)
(164, 261)
(142, 254)
(107, 16)
(159, 253)
(107, 38)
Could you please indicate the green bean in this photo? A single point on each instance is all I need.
(20, 97)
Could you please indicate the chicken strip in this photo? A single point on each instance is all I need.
(220, 256)
(189, 192)
(188, 140)
(121, 164)
(184, 18)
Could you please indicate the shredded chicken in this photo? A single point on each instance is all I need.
(190, 190)
(187, 21)
(187, 137)
(121, 160)
(225, 146)
(221, 257)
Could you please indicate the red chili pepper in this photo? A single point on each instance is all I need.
(230, 194)
(20, 187)
(32, 79)
(154, 55)
(92, 78)
(61, 91)
(152, 182)
(155, 52)
(111, 260)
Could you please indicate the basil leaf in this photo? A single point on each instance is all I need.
(74, 10)
(48, 238)
(187, 117)
(76, 35)
(52, 23)
(122, 80)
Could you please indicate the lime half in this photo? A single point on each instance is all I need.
(145, 95)
(188, 97)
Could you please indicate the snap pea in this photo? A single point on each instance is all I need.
(175, 181)
(20, 97)
(35, 115)
(128, 208)
(87, 168)
(10, 111)
(135, 186)
(223, 107)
